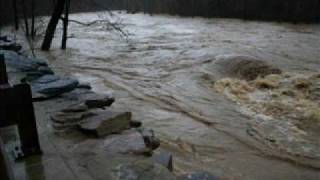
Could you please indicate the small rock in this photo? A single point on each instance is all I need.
(99, 101)
(164, 159)
(142, 170)
(135, 123)
(106, 122)
(199, 175)
(149, 139)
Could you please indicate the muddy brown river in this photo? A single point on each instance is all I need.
(160, 73)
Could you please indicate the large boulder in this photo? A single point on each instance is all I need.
(241, 66)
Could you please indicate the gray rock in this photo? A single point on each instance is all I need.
(40, 62)
(75, 108)
(142, 170)
(129, 142)
(18, 62)
(198, 175)
(46, 79)
(99, 101)
(163, 158)
(106, 122)
(51, 85)
(150, 140)
(5, 39)
(10, 46)
(62, 117)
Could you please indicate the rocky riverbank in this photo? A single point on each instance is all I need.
(81, 132)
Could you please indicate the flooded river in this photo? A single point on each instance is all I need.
(161, 74)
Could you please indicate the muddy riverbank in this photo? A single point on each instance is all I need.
(161, 74)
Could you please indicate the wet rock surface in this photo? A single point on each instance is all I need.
(129, 142)
(142, 170)
(51, 85)
(106, 122)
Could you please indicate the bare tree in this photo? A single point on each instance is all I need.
(65, 25)
(33, 33)
(25, 17)
(57, 12)
(15, 14)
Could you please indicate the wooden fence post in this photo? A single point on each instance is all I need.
(3, 71)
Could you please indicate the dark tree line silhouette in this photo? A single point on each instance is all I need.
(279, 10)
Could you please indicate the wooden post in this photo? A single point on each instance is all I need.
(3, 71)
(26, 120)
(16, 107)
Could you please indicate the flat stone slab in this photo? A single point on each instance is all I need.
(99, 101)
(63, 118)
(52, 85)
(75, 108)
(22, 63)
(129, 142)
(106, 122)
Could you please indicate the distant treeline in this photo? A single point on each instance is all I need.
(275, 10)
(278, 10)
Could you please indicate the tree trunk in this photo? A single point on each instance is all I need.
(58, 9)
(25, 17)
(15, 14)
(33, 32)
(65, 25)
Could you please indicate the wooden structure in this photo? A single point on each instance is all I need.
(16, 108)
